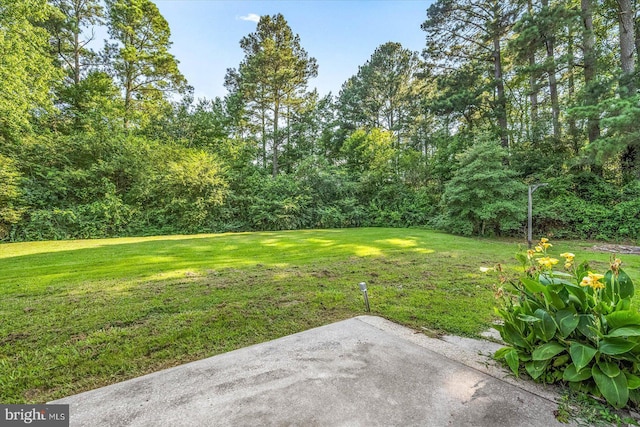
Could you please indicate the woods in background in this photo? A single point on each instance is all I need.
(111, 142)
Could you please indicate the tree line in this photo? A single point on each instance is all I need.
(110, 141)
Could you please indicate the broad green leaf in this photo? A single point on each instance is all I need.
(614, 346)
(618, 319)
(562, 274)
(528, 318)
(623, 304)
(573, 375)
(578, 295)
(547, 351)
(610, 369)
(547, 328)
(609, 293)
(633, 381)
(617, 287)
(522, 258)
(567, 322)
(533, 286)
(625, 331)
(626, 285)
(512, 360)
(581, 354)
(557, 302)
(512, 336)
(556, 281)
(586, 326)
(561, 360)
(615, 390)
(499, 354)
(535, 368)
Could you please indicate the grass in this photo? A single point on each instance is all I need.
(77, 315)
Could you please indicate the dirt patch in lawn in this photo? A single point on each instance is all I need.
(617, 249)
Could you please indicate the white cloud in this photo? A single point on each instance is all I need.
(251, 17)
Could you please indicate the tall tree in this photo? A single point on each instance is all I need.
(140, 58)
(72, 32)
(463, 31)
(27, 72)
(272, 78)
(70, 37)
(590, 68)
(383, 94)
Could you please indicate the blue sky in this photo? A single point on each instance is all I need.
(340, 34)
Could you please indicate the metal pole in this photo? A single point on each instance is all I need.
(529, 218)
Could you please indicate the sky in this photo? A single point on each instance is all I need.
(340, 34)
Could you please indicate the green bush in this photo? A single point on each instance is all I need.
(581, 206)
(483, 197)
(10, 211)
(572, 326)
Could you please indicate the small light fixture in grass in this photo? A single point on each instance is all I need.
(363, 288)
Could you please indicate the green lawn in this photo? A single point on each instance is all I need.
(76, 315)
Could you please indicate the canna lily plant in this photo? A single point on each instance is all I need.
(574, 326)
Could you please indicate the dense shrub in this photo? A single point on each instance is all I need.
(581, 206)
(573, 326)
(484, 196)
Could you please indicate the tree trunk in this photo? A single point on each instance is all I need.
(631, 156)
(553, 85)
(501, 104)
(573, 129)
(589, 46)
(627, 43)
(263, 113)
(533, 94)
(274, 162)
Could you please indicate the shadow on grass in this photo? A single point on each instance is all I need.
(161, 259)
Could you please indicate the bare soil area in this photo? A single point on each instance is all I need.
(617, 249)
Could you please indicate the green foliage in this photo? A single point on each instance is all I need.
(484, 196)
(369, 151)
(573, 326)
(179, 189)
(26, 69)
(10, 211)
(140, 58)
(271, 80)
(80, 188)
(585, 206)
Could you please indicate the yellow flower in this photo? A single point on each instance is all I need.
(547, 261)
(568, 255)
(544, 240)
(546, 245)
(538, 248)
(593, 281)
(568, 265)
(586, 281)
(530, 253)
(596, 276)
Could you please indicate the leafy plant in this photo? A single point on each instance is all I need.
(483, 196)
(572, 326)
